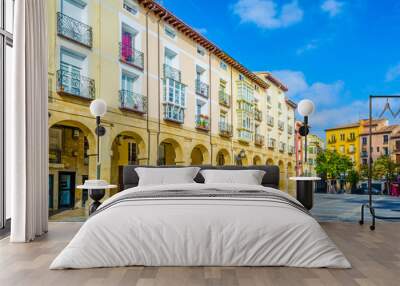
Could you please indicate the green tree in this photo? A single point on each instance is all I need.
(385, 169)
(353, 177)
(332, 164)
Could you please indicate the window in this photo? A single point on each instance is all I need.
(385, 151)
(6, 44)
(200, 50)
(72, 67)
(223, 65)
(385, 139)
(130, 7)
(132, 153)
(364, 140)
(170, 32)
(174, 100)
(342, 137)
(241, 77)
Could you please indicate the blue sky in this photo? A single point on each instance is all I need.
(334, 52)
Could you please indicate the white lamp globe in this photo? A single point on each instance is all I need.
(305, 107)
(98, 107)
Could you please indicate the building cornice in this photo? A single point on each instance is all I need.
(191, 33)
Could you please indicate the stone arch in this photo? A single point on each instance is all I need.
(199, 155)
(223, 157)
(257, 160)
(269, 162)
(71, 142)
(170, 152)
(127, 148)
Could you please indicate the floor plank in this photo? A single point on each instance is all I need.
(375, 257)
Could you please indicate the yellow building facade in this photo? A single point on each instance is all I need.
(345, 139)
(173, 97)
(314, 145)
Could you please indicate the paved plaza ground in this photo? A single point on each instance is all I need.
(327, 207)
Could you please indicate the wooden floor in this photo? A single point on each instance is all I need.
(375, 257)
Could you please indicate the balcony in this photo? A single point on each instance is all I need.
(131, 101)
(75, 84)
(351, 150)
(281, 125)
(290, 130)
(364, 154)
(282, 147)
(259, 140)
(130, 56)
(290, 150)
(257, 114)
(245, 135)
(225, 129)
(201, 88)
(172, 73)
(271, 143)
(270, 121)
(202, 122)
(55, 156)
(74, 30)
(174, 113)
(224, 98)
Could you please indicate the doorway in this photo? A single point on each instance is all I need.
(66, 190)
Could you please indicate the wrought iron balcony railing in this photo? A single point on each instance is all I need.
(270, 120)
(257, 114)
(201, 88)
(225, 129)
(75, 84)
(271, 143)
(55, 156)
(174, 113)
(202, 122)
(259, 139)
(281, 125)
(74, 30)
(173, 73)
(282, 147)
(130, 56)
(245, 135)
(132, 101)
(224, 98)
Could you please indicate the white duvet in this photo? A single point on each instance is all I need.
(200, 231)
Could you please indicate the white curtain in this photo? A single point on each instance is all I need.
(26, 124)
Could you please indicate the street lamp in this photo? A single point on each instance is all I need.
(305, 108)
(98, 108)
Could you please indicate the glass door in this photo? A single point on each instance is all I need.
(66, 190)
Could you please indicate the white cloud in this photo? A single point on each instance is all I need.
(323, 94)
(312, 45)
(332, 7)
(265, 13)
(331, 103)
(393, 73)
(201, 30)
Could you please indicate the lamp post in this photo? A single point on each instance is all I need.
(98, 108)
(305, 108)
(304, 184)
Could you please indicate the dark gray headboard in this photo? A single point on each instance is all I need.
(270, 179)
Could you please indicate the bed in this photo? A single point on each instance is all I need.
(198, 224)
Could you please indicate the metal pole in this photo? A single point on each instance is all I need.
(370, 153)
(98, 148)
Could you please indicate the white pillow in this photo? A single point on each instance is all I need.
(248, 177)
(166, 176)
